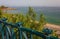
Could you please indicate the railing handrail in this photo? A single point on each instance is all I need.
(24, 29)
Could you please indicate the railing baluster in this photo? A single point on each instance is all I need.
(31, 37)
(2, 32)
(20, 34)
(13, 34)
(20, 31)
(7, 33)
(24, 34)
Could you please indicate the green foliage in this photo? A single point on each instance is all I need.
(32, 13)
(0, 13)
(29, 20)
(31, 17)
(54, 34)
(42, 19)
(42, 22)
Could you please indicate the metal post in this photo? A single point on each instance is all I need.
(24, 34)
(2, 32)
(20, 33)
(13, 35)
(7, 34)
(31, 37)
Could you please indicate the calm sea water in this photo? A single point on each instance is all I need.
(52, 14)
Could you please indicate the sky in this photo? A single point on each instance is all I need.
(52, 3)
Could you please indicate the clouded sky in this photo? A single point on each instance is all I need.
(55, 3)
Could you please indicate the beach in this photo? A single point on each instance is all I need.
(53, 26)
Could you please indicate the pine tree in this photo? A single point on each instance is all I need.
(32, 13)
(42, 21)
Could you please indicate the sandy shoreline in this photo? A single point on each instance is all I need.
(53, 26)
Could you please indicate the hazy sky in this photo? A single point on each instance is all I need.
(52, 3)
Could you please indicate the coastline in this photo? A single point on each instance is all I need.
(52, 26)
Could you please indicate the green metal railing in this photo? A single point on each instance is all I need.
(7, 31)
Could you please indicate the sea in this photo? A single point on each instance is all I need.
(52, 14)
